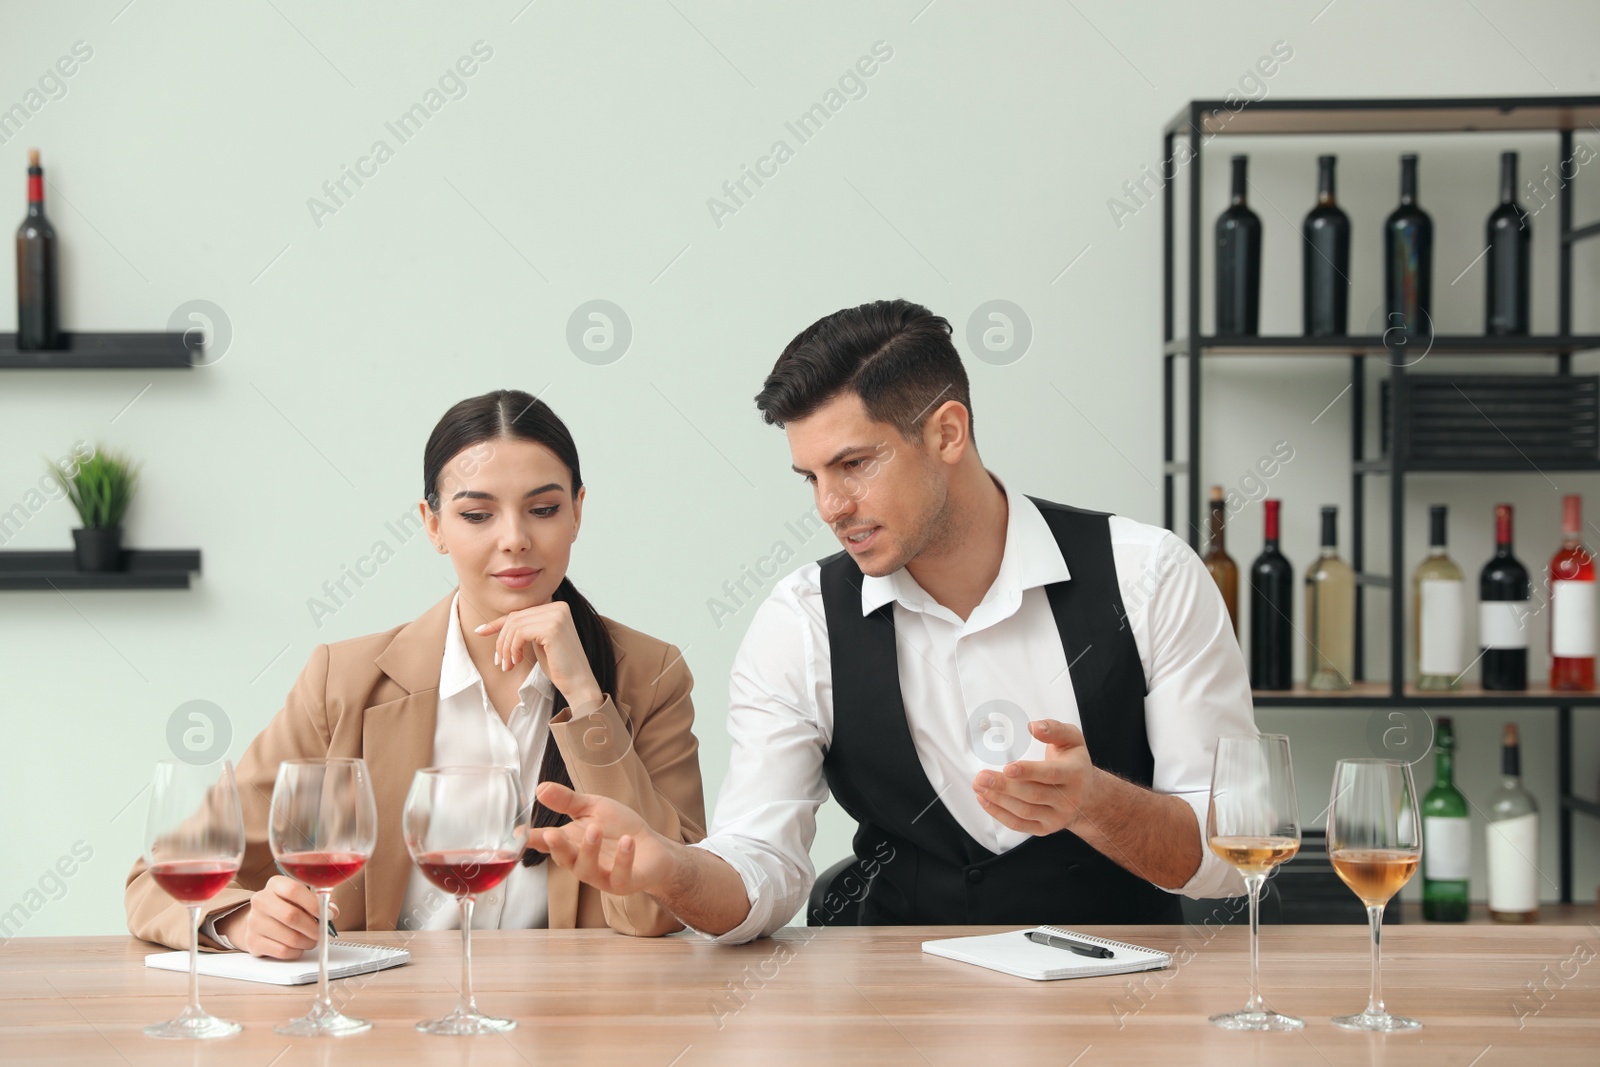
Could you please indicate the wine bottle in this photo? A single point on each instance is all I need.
(38, 325)
(1330, 613)
(1325, 276)
(1572, 605)
(1446, 835)
(1408, 260)
(1220, 565)
(1513, 842)
(1438, 613)
(1509, 235)
(1271, 612)
(1503, 590)
(1238, 236)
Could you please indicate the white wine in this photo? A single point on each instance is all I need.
(1438, 614)
(1255, 855)
(1330, 613)
(1513, 835)
(1375, 874)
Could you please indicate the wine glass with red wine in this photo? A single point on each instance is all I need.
(466, 828)
(323, 825)
(194, 843)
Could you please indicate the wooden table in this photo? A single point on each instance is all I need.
(861, 995)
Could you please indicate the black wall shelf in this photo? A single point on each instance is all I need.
(167, 568)
(101, 351)
(1198, 123)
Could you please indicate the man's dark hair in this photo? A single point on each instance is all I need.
(895, 355)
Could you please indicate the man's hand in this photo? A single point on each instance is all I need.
(607, 844)
(280, 921)
(548, 632)
(1042, 796)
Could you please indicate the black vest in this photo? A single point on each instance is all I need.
(935, 873)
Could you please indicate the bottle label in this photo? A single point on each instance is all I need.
(1443, 620)
(1514, 863)
(1500, 624)
(1446, 848)
(1572, 619)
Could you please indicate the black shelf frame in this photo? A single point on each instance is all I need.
(1201, 120)
(167, 568)
(161, 350)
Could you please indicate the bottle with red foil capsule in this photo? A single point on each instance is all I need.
(1271, 612)
(37, 300)
(1572, 605)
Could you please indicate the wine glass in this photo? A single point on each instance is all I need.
(466, 828)
(323, 825)
(1375, 843)
(194, 843)
(1254, 823)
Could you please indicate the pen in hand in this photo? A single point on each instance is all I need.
(1039, 937)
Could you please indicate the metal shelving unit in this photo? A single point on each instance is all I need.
(1200, 121)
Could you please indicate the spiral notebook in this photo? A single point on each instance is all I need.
(345, 958)
(1012, 953)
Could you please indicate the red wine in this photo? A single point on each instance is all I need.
(461, 871)
(1508, 238)
(1325, 276)
(1271, 612)
(191, 881)
(321, 870)
(1238, 279)
(1408, 259)
(1503, 590)
(1572, 605)
(37, 297)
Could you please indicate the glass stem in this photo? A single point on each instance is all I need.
(324, 1002)
(468, 1004)
(1253, 884)
(1375, 998)
(194, 960)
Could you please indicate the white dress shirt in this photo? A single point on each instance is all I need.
(470, 730)
(781, 698)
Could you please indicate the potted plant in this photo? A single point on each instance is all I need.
(100, 488)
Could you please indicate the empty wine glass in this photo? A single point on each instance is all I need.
(1253, 822)
(194, 843)
(323, 825)
(1375, 843)
(466, 828)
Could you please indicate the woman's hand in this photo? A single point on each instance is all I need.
(280, 921)
(548, 631)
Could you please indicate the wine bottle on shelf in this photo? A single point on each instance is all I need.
(1503, 591)
(1513, 838)
(1238, 236)
(1325, 276)
(1408, 260)
(1509, 236)
(1330, 613)
(1271, 612)
(1572, 605)
(1438, 613)
(1220, 565)
(38, 315)
(1446, 835)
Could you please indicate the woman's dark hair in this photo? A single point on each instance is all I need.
(897, 356)
(513, 413)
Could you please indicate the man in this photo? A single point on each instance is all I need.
(898, 675)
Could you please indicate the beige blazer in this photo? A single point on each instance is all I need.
(376, 697)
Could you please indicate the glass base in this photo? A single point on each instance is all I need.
(322, 1021)
(191, 1024)
(462, 1023)
(1381, 1022)
(1257, 1020)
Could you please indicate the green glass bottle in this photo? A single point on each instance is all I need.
(1446, 835)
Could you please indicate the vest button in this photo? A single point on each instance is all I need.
(974, 875)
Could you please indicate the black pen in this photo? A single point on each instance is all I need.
(1099, 952)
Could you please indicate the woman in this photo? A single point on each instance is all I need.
(512, 659)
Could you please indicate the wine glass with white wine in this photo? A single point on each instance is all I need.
(1375, 843)
(1254, 823)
